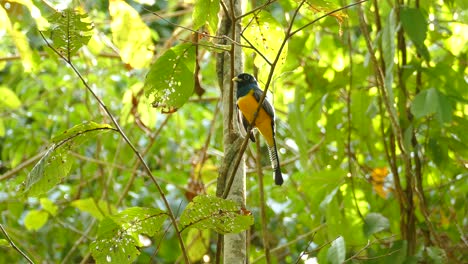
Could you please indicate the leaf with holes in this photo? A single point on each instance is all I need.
(68, 31)
(170, 80)
(118, 240)
(56, 164)
(266, 34)
(223, 216)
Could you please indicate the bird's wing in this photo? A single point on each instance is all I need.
(245, 125)
(266, 104)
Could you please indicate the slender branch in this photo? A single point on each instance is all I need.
(8, 238)
(129, 143)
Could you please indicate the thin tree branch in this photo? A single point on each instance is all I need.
(8, 238)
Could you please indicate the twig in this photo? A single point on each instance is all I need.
(129, 143)
(14, 245)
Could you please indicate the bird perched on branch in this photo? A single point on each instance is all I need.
(248, 97)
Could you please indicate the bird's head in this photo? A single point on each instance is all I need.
(245, 82)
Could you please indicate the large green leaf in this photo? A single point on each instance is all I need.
(56, 164)
(223, 216)
(266, 34)
(430, 102)
(118, 239)
(415, 25)
(8, 99)
(374, 223)
(68, 31)
(388, 49)
(170, 80)
(337, 252)
(206, 12)
(98, 210)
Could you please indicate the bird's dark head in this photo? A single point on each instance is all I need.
(245, 83)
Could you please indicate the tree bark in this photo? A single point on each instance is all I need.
(234, 244)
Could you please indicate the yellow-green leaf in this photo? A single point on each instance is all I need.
(130, 34)
(35, 219)
(49, 206)
(8, 99)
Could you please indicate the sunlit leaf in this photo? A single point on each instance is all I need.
(206, 12)
(56, 163)
(199, 243)
(35, 219)
(337, 252)
(170, 79)
(49, 206)
(4, 243)
(326, 6)
(99, 210)
(130, 34)
(223, 216)
(388, 49)
(68, 31)
(20, 40)
(8, 99)
(431, 101)
(118, 240)
(374, 223)
(266, 35)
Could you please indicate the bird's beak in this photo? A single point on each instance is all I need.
(236, 79)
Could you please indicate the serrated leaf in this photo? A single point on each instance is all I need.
(68, 32)
(266, 35)
(337, 252)
(8, 99)
(430, 102)
(374, 223)
(35, 219)
(56, 164)
(99, 211)
(117, 240)
(170, 80)
(415, 25)
(130, 34)
(210, 212)
(49, 206)
(206, 12)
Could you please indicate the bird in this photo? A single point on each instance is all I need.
(248, 97)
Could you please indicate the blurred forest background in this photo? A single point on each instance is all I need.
(372, 125)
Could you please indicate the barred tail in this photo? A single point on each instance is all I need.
(275, 164)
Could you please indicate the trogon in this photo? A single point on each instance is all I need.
(248, 96)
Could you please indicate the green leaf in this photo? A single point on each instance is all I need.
(437, 255)
(68, 32)
(56, 164)
(415, 25)
(430, 102)
(223, 216)
(374, 223)
(4, 243)
(131, 35)
(49, 206)
(266, 35)
(35, 219)
(98, 211)
(337, 252)
(118, 240)
(206, 11)
(170, 80)
(388, 49)
(199, 243)
(8, 99)
(326, 6)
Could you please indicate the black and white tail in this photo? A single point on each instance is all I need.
(275, 164)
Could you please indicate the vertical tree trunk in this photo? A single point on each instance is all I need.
(234, 244)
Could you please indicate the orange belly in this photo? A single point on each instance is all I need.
(248, 105)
